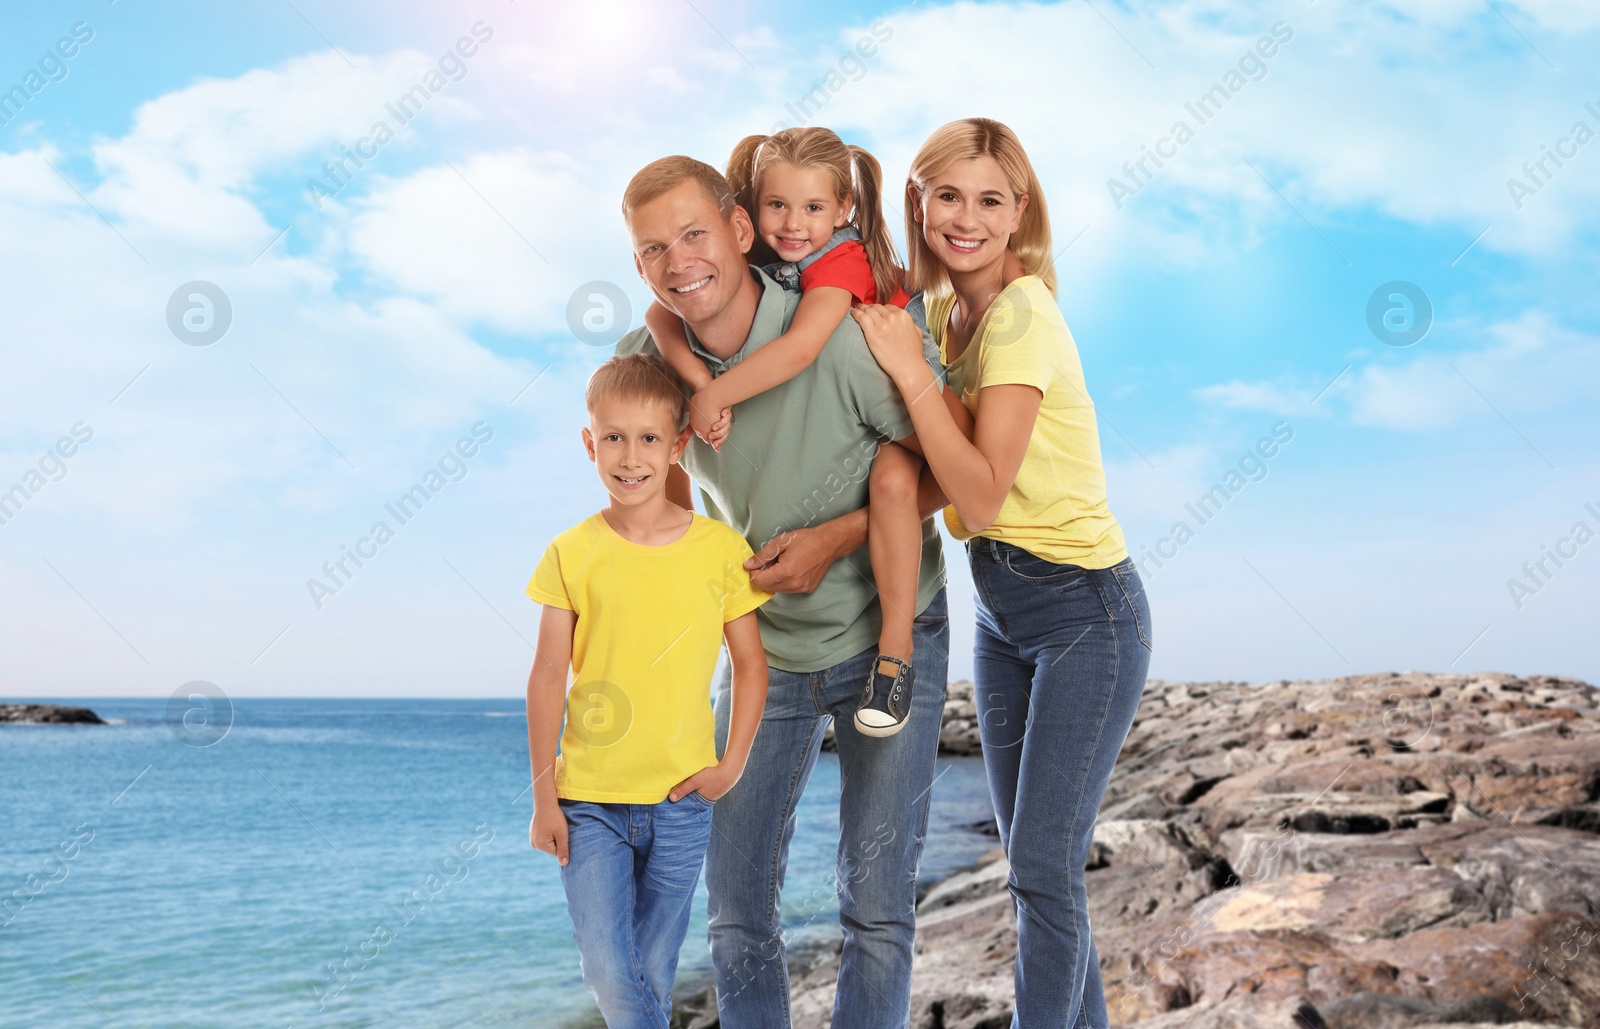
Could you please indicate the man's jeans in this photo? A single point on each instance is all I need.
(630, 877)
(1060, 657)
(883, 815)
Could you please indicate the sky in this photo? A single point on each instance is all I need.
(1368, 236)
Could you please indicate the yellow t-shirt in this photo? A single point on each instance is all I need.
(644, 649)
(1056, 509)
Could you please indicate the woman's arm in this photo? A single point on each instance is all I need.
(547, 702)
(821, 310)
(975, 474)
(666, 329)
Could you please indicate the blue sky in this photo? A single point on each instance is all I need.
(1226, 295)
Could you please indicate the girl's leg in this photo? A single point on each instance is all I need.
(894, 543)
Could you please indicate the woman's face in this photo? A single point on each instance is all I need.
(798, 211)
(968, 213)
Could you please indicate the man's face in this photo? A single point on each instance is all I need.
(692, 259)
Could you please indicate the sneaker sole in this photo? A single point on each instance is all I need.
(878, 731)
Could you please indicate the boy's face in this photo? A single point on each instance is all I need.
(633, 444)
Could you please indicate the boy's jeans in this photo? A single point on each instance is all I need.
(883, 815)
(630, 877)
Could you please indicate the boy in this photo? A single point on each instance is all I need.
(637, 599)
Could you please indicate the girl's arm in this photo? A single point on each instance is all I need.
(975, 474)
(547, 701)
(821, 310)
(666, 329)
(749, 662)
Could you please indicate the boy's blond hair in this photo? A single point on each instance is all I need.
(642, 378)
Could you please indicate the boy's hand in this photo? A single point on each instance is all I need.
(548, 831)
(711, 782)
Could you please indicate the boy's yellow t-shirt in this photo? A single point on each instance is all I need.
(1056, 509)
(644, 649)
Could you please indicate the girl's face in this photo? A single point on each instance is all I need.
(798, 211)
(968, 213)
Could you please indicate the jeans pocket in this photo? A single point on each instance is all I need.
(697, 795)
(1032, 568)
(1132, 586)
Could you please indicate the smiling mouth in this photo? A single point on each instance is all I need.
(635, 481)
(789, 243)
(692, 287)
(963, 246)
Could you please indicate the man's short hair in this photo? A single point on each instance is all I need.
(664, 174)
(642, 378)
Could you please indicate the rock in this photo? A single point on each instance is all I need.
(49, 714)
(1379, 850)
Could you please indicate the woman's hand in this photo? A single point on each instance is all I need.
(893, 338)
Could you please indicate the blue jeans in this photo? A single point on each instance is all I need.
(883, 816)
(630, 877)
(1060, 657)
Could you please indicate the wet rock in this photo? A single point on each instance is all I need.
(49, 714)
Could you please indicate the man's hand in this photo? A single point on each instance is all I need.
(711, 782)
(548, 831)
(793, 562)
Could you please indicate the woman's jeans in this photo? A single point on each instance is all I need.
(630, 877)
(1060, 657)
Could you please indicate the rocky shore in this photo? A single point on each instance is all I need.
(51, 714)
(1370, 852)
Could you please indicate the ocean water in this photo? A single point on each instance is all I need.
(146, 881)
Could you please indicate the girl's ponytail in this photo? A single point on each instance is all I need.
(866, 196)
(742, 178)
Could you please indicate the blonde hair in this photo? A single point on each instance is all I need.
(642, 378)
(956, 141)
(857, 179)
(665, 173)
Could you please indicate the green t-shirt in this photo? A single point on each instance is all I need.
(799, 455)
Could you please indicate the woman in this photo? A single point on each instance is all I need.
(1063, 633)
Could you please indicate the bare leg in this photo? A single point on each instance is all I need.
(894, 542)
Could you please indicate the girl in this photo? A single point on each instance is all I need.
(819, 221)
(1063, 628)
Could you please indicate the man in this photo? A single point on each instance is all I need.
(792, 478)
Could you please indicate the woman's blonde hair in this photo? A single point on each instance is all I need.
(857, 179)
(957, 141)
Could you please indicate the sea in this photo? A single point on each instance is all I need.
(326, 862)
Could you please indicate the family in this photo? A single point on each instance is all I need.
(828, 401)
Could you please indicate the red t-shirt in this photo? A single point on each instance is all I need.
(846, 267)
